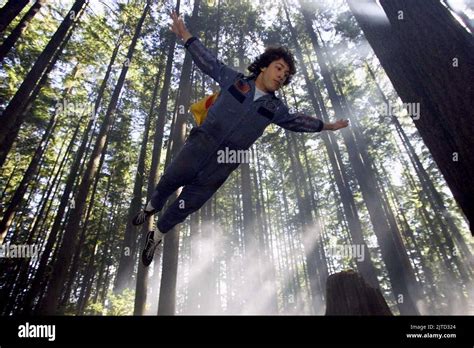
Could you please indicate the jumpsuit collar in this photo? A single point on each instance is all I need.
(269, 95)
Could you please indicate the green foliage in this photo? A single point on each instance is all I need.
(116, 304)
(237, 29)
(121, 304)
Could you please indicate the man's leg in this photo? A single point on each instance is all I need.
(181, 171)
(195, 194)
(193, 197)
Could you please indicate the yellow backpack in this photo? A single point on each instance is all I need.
(200, 108)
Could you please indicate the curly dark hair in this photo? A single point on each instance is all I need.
(271, 54)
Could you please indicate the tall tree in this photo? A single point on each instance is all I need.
(69, 185)
(167, 300)
(10, 41)
(142, 273)
(50, 303)
(33, 166)
(13, 116)
(125, 268)
(402, 278)
(9, 11)
(426, 54)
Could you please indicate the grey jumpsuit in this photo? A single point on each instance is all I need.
(235, 121)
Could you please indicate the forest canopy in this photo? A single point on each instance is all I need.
(94, 103)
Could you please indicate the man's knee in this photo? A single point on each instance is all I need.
(182, 207)
(194, 201)
(190, 200)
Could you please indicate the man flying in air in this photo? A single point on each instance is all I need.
(238, 117)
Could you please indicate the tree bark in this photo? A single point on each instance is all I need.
(142, 273)
(80, 244)
(347, 293)
(33, 166)
(432, 195)
(36, 226)
(10, 41)
(68, 188)
(27, 177)
(18, 278)
(9, 11)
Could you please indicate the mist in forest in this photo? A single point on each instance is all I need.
(360, 173)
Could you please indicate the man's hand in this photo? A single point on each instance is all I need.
(179, 28)
(336, 125)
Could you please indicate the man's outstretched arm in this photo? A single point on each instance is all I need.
(202, 57)
(300, 122)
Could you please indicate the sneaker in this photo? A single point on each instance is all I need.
(142, 216)
(153, 239)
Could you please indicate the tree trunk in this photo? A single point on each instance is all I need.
(431, 193)
(18, 278)
(342, 180)
(13, 116)
(43, 213)
(9, 11)
(315, 236)
(157, 262)
(68, 188)
(90, 268)
(10, 41)
(142, 274)
(266, 258)
(28, 105)
(289, 259)
(167, 301)
(310, 237)
(403, 281)
(421, 38)
(33, 166)
(80, 244)
(347, 293)
(7, 184)
(349, 206)
(126, 262)
(27, 176)
(49, 306)
(105, 254)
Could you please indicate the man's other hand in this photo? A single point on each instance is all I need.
(179, 28)
(336, 125)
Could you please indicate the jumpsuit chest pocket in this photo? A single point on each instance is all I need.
(267, 109)
(240, 90)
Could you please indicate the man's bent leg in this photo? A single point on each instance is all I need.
(180, 171)
(194, 195)
(191, 199)
(183, 169)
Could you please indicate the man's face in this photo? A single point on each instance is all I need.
(273, 76)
